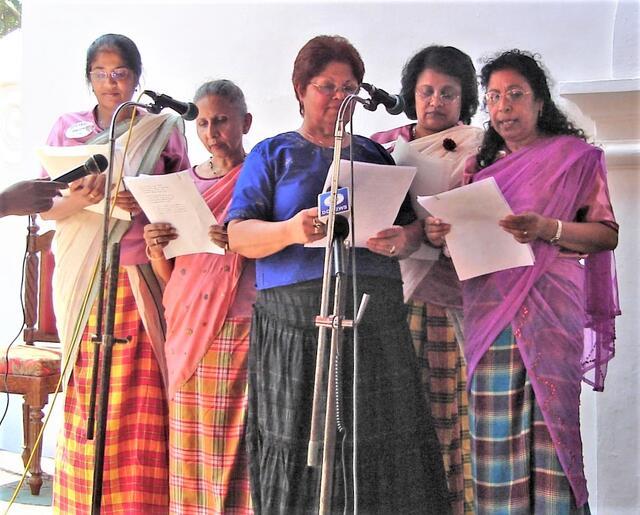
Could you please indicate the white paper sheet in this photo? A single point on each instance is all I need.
(378, 194)
(174, 199)
(477, 244)
(432, 176)
(59, 160)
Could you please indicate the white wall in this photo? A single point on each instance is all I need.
(254, 43)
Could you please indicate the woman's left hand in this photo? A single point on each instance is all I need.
(126, 201)
(218, 235)
(397, 241)
(528, 227)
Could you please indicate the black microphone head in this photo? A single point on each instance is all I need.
(341, 227)
(192, 111)
(97, 163)
(398, 108)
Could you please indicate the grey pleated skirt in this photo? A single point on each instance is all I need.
(400, 467)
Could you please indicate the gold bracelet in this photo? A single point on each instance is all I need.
(147, 252)
(556, 238)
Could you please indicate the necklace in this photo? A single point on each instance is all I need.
(216, 172)
(318, 142)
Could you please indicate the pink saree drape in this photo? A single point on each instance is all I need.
(561, 311)
(199, 294)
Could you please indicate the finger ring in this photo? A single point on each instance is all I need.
(525, 233)
(317, 223)
(316, 229)
(156, 241)
(392, 250)
(226, 246)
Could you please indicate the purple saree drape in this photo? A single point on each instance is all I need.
(561, 311)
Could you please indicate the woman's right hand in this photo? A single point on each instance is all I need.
(305, 227)
(89, 190)
(435, 230)
(157, 236)
(256, 239)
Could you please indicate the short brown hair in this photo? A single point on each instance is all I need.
(317, 53)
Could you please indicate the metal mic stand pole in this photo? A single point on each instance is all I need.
(104, 336)
(108, 341)
(336, 322)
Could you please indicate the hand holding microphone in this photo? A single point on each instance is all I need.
(91, 188)
(94, 165)
(28, 197)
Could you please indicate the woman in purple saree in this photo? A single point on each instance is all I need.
(533, 333)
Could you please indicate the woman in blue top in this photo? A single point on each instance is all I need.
(270, 219)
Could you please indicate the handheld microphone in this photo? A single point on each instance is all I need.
(394, 104)
(188, 110)
(340, 233)
(94, 165)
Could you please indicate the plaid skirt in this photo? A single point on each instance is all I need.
(443, 375)
(399, 467)
(516, 470)
(208, 471)
(135, 479)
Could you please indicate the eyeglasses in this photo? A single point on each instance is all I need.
(513, 95)
(329, 90)
(118, 74)
(427, 94)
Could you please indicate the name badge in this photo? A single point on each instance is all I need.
(342, 202)
(79, 130)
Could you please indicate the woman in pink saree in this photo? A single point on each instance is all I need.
(533, 333)
(207, 301)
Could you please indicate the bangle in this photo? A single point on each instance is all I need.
(556, 238)
(147, 251)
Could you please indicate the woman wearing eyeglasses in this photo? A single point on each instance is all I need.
(272, 216)
(440, 92)
(136, 462)
(532, 333)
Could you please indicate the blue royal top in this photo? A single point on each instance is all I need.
(283, 175)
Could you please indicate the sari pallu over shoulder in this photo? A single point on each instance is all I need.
(551, 303)
(199, 294)
(466, 140)
(78, 242)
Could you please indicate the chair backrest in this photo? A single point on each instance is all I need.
(40, 319)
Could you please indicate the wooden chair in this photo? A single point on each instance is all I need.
(34, 371)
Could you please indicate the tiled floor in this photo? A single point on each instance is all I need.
(10, 472)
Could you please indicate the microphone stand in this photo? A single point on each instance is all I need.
(104, 336)
(325, 438)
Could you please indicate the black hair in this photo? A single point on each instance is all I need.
(443, 59)
(120, 44)
(551, 121)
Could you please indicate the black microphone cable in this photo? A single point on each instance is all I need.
(15, 338)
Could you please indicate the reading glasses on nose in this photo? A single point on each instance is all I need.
(102, 75)
(330, 90)
(428, 94)
(513, 95)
